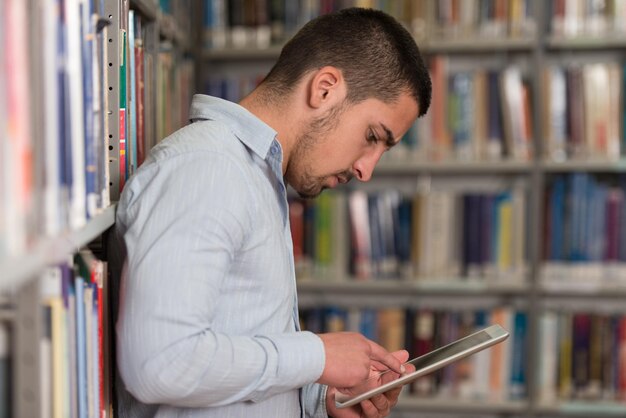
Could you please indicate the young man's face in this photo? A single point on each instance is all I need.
(347, 142)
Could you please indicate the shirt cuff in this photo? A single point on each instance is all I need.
(300, 358)
(314, 401)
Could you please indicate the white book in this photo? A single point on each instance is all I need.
(556, 128)
(53, 222)
(77, 131)
(547, 354)
(615, 93)
(359, 223)
(17, 136)
(573, 18)
(106, 192)
(511, 88)
(4, 162)
(596, 84)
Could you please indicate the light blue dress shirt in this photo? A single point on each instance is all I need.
(208, 320)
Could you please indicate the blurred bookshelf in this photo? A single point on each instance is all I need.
(85, 118)
(556, 189)
(466, 45)
(17, 270)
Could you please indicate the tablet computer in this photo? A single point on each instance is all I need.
(424, 364)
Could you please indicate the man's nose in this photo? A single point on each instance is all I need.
(364, 166)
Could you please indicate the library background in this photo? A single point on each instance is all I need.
(505, 204)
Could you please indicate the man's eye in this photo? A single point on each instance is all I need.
(371, 137)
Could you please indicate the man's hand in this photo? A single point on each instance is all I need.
(350, 358)
(377, 406)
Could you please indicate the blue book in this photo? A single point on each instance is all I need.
(313, 320)
(557, 219)
(579, 216)
(95, 347)
(376, 239)
(69, 303)
(461, 114)
(369, 323)
(81, 347)
(402, 231)
(335, 319)
(87, 34)
(597, 197)
(486, 238)
(66, 176)
(518, 356)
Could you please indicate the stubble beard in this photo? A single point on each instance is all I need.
(299, 171)
(304, 183)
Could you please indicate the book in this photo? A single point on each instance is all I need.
(90, 104)
(516, 134)
(17, 144)
(548, 347)
(360, 234)
(5, 371)
(52, 299)
(76, 93)
(519, 363)
(140, 92)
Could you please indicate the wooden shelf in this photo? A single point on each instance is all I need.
(390, 292)
(584, 165)
(584, 409)
(478, 44)
(392, 166)
(243, 54)
(49, 251)
(434, 46)
(591, 43)
(410, 403)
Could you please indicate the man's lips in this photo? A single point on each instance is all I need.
(344, 179)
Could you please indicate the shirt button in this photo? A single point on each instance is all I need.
(274, 149)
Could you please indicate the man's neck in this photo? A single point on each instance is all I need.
(280, 117)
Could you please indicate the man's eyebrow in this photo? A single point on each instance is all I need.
(391, 141)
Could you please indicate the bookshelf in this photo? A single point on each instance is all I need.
(17, 271)
(537, 46)
(75, 89)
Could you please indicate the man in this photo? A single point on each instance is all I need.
(208, 322)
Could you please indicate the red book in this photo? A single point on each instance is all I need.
(296, 222)
(140, 93)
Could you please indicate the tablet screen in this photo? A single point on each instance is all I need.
(425, 364)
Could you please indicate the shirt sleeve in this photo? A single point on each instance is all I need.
(181, 220)
(314, 400)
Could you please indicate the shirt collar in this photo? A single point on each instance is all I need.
(252, 131)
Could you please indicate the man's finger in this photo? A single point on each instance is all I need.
(378, 353)
(380, 402)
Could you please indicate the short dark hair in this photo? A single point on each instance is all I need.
(377, 55)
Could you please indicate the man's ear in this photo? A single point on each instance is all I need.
(327, 86)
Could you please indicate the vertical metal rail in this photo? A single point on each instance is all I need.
(535, 230)
(112, 12)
